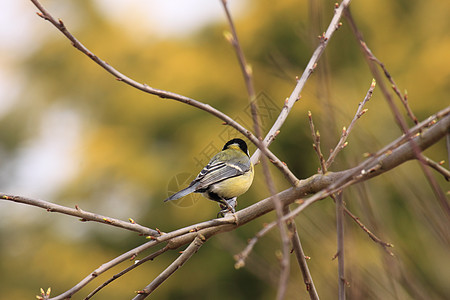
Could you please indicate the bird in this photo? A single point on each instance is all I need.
(228, 175)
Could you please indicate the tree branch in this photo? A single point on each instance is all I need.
(178, 263)
(84, 215)
(161, 93)
(340, 244)
(123, 272)
(438, 167)
(310, 67)
(397, 116)
(346, 131)
(391, 156)
(247, 73)
(301, 259)
(316, 145)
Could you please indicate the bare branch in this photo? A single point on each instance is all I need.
(164, 94)
(301, 259)
(310, 67)
(245, 67)
(242, 256)
(178, 263)
(340, 244)
(188, 234)
(392, 155)
(439, 194)
(133, 266)
(84, 215)
(316, 145)
(438, 167)
(399, 151)
(346, 131)
(376, 239)
(403, 98)
(247, 73)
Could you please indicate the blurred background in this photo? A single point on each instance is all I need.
(73, 135)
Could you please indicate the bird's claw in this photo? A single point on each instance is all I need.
(227, 206)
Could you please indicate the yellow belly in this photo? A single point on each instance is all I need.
(233, 187)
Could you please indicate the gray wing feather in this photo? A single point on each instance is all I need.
(223, 172)
(190, 189)
(215, 171)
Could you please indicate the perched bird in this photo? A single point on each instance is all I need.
(228, 175)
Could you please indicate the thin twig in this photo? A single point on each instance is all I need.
(340, 244)
(242, 256)
(175, 265)
(346, 131)
(439, 194)
(161, 93)
(83, 215)
(123, 272)
(385, 159)
(170, 237)
(376, 239)
(448, 148)
(234, 41)
(403, 98)
(301, 259)
(316, 145)
(247, 73)
(438, 167)
(285, 259)
(310, 67)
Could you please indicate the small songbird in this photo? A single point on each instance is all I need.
(228, 175)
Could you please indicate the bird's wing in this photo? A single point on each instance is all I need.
(219, 172)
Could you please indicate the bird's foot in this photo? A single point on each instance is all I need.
(227, 206)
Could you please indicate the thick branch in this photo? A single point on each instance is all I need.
(391, 156)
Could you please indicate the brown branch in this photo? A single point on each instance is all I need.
(246, 69)
(83, 215)
(285, 260)
(310, 67)
(173, 243)
(403, 98)
(242, 256)
(161, 93)
(247, 73)
(346, 131)
(376, 239)
(438, 167)
(399, 151)
(439, 194)
(391, 156)
(178, 263)
(123, 272)
(340, 244)
(316, 145)
(301, 259)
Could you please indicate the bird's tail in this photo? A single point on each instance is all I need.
(182, 193)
